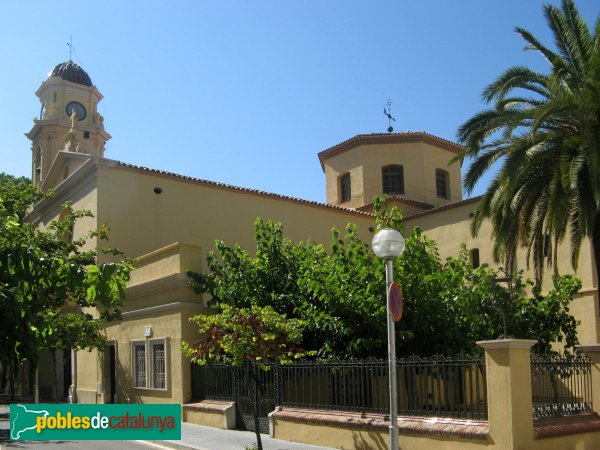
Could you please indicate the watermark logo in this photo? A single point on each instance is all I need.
(95, 422)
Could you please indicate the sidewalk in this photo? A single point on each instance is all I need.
(208, 438)
(197, 437)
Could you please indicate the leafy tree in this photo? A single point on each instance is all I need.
(73, 331)
(41, 270)
(340, 294)
(545, 128)
(249, 337)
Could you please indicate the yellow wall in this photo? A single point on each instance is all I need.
(450, 228)
(164, 325)
(198, 214)
(351, 438)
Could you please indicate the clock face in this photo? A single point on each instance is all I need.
(80, 110)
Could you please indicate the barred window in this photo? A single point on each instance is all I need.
(345, 188)
(442, 180)
(474, 258)
(393, 179)
(149, 363)
(139, 365)
(158, 366)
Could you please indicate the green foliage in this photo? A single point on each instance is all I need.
(238, 336)
(544, 129)
(42, 270)
(339, 294)
(73, 331)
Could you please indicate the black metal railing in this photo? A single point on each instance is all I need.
(561, 384)
(436, 386)
(213, 381)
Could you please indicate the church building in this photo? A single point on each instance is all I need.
(169, 223)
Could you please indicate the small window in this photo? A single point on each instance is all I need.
(345, 188)
(139, 365)
(474, 258)
(393, 179)
(442, 180)
(86, 134)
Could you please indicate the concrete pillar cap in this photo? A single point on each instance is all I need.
(588, 348)
(507, 343)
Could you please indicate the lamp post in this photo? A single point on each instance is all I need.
(388, 244)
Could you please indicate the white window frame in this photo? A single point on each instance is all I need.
(149, 345)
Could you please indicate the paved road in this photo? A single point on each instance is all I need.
(75, 445)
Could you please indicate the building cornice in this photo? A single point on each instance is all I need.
(80, 181)
(161, 309)
(158, 285)
(388, 138)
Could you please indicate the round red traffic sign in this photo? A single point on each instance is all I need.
(396, 301)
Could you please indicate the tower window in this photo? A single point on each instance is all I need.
(442, 183)
(86, 134)
(474, 258)
(345, 188)
(393, 179)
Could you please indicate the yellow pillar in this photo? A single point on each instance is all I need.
(592, 351)
(508, 368)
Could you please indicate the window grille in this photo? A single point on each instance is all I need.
(393, 179)
(139, 352)
(159, 366)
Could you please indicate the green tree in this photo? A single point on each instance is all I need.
(72, 331)
(545, 130)
(339, 294)
(41, 270)
(248, 337)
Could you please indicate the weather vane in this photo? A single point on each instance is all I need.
(388, 113)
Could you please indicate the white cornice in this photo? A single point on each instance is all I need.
(162, 308)
(157, 285)
(507, 343)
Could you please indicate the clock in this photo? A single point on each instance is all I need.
(81, 112)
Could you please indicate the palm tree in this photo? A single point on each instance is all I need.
(545, 130)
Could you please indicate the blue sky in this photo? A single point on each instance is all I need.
(248, 93)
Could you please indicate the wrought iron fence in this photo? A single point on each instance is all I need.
(561, 384)
(437, 386)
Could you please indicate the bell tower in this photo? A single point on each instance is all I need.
(69, 119)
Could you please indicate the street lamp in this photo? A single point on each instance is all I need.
(388, 244)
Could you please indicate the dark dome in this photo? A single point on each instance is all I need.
(69, 71)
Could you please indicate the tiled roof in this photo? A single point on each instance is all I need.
(456, 204)
(231, 187)
(388, 138)
(402, 199)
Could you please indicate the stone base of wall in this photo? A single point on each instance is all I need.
(87, 396)
(211, 413)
